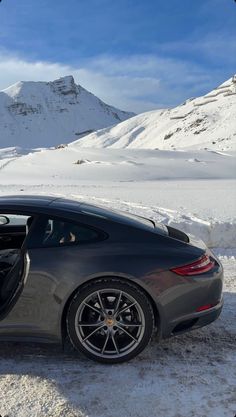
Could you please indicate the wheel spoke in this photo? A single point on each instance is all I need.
(115, 344)
(86, 324)
(105, 343)
(92, 307)
(128, 334)
(100, 301)
(117, 302)
(90, 334)
(130, 324)
(119, 312)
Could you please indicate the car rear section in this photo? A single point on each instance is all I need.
(191, 294)
(182, 276)
(175, 274)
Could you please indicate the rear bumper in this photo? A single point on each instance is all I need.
(181, 298)
(194, 321)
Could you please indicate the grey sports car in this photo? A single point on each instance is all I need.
(102, 278)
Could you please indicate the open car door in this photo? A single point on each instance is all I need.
(14, 266)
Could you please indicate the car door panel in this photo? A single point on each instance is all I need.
(14, 266)
(37, 311)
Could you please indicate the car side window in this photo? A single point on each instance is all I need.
(58, 232)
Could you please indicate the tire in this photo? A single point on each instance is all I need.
(110, 321)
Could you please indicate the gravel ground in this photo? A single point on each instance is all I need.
(188, 376)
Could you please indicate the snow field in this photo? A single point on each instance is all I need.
(191, 190)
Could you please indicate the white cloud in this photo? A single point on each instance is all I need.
(13, 69)
(137, 83)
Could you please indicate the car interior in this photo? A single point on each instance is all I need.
(13, 233)
(48, 233)
(13, 230)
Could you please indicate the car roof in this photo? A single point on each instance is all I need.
(26, 200)
(76, 206)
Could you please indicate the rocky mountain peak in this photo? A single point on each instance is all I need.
(38, 113)
(64, 86)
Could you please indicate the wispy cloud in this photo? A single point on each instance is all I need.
(218, 49)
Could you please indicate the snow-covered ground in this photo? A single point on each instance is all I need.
(193, 190)
(192, 375)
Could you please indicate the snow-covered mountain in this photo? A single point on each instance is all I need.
(37, 114)
(204, 122)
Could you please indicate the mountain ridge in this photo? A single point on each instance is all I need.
(203, 122)
(38, 113)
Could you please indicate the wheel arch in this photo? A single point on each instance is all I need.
(122, 278)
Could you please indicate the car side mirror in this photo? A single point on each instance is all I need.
(4, 220)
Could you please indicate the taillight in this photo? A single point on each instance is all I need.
(204, 264)
(205, 307)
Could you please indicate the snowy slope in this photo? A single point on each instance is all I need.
(34, 114)
(203, 122)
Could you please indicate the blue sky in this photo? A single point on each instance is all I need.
(134, 54)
